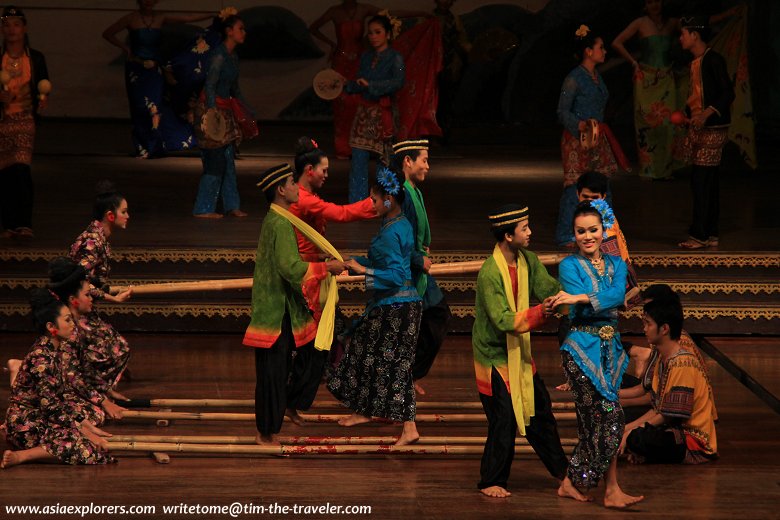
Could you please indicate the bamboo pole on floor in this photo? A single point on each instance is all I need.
(314, 418)
(250, 403)
(450, 268)
(282, 450)
(313, 440)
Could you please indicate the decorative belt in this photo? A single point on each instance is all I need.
(606, 332)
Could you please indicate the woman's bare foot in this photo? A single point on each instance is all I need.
(419, 389)
(616, 499)
(354, 419)
(565, 387)
(14, 458)
(208, 215)
(409, 434)
(495, 492)
(295, 417)
(568, 490)
(13, 366)
(10, 459)
(266, 440)
(238, 213)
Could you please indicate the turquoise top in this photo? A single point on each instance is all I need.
(655, 50)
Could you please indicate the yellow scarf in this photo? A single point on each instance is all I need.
(518, 346)
(329, 294)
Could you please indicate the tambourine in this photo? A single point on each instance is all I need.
(328, 84)
(589, 138)
(214, 125)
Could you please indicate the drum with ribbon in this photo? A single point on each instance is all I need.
(328, 84)
(589, 138)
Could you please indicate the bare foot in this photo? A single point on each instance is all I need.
(208, 215)
(495, 492)
(295, 417)
(419, 389)
(618, 500)
(354, 419)
(565, 387)
(238, 213)
(10, 459)
(267, 440)
(13, 366)
(568, 490)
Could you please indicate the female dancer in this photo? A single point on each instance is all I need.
(221, 98)
(44, 420)
(20, 103)
(381, 75)
(156, 129)
(374, 377)
(594, 285)
(583, 98)
(107, 350)
(311, 172)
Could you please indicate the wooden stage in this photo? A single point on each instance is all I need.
(466, 182)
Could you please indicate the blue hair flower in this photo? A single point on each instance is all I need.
(388, 180)
(607, 215)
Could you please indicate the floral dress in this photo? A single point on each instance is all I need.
(42, 411)
(103, 351)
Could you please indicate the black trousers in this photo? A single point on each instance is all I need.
(542, 434)
(657, 444)
(433, 330)
(16, 196)
(705, 187)
(286, 378)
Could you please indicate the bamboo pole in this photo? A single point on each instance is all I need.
(312, 440)
(450, 268)
(282, 450)
(314, 418)
(250, 403)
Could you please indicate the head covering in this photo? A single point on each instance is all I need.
(696, 23)
(409, 145)
(11, 11)
(509, 214)
(273, 175)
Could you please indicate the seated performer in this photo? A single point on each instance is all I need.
(513, 394)
(107, 351)
(411, 158)
(374, 378)
(311, 172)
(282, 323)
(44, 421)
(681, 426)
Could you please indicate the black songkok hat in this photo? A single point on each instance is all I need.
(409, 145)
(509, 214)
(273, 175)
(11, 11)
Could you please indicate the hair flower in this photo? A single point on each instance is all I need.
(583, 31)
(314, 143)
(395, 22)
(607, 215)
(388, 180)
(227, 12)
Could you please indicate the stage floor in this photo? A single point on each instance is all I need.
(743, 483)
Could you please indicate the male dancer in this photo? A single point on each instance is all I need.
(411, 157)
(281, 321)
(513, 394)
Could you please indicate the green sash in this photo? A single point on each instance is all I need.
(423, 238)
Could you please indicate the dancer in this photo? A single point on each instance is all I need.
(512, 392)
(107, 351)
(20, 104)
(380, 76)
(411, 157)
(680, 428)
(156, 129)
(282, 322)
(593, 357)
(96, 364)
(222, 102)
(583, 99)
(374, 378)
(709, 109)
(43, 421)
(311, 172)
